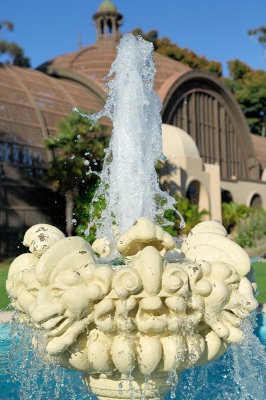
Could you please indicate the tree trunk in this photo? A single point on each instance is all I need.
(69, 211)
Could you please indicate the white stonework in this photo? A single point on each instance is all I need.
(147, 317)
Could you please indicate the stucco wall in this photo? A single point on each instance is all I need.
(244, 191)
(184, 166)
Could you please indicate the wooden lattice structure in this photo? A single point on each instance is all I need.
(30, 105)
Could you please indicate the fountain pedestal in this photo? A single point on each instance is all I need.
(121, 387)
(132, 327)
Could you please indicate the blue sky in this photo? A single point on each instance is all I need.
(215, 29)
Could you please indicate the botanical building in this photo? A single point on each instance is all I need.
(206, 139)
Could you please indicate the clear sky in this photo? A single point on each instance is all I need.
(218, 30)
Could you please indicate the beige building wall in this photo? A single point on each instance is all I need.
(184, 166)
(244, 191)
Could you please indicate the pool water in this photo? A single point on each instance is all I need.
(238, 375)
(260, 331)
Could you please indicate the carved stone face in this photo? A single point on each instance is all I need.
(61, 302)
(240, 304)
(230, 300)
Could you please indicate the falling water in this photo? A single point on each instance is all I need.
(240, 374)
(28, 373)
(129, 180)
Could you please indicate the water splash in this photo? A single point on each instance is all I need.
(28, 373)
(129, 180)
(239, 374)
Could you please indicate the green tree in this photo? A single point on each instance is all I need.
(78, 149)
(185, 56)
(249, 88)
(259, 34)
(13, 50)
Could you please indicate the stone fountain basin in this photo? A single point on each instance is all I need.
(137, 322)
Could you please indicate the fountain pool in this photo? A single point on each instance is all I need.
(218, 380)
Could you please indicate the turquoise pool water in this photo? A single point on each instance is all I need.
(219, 380)
(260, 331)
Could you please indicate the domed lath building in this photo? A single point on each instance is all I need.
(206, 139)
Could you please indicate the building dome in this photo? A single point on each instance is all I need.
(106, 5)
(95, 62)
(178, 141)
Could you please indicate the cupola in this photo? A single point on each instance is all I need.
(107, 21)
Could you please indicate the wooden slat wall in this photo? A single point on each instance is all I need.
(207, 121)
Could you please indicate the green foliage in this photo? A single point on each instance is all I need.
(233, 212)
(251, 231)
(13, 50)
(260, 34)
(249, 88)
(86, 212)
(7, 24)
(185, 56)
(76, 147)
(237, 69)
(190, 213)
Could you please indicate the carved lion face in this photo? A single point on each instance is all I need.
(61, 302)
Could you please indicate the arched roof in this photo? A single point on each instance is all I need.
(95, 62)
(177, 140)
(31, 104)
(182, 83)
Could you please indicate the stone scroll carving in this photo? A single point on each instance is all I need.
(151, 315)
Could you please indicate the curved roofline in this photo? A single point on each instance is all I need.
(172, 84)
(73, 76)
(190, 148)
(107, 3)
(164, 91)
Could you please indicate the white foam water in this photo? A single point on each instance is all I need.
(129, 180)
(33, 375)
(239, 374)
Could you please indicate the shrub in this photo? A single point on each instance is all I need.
(251, 232)
(86, 212)
(190, 212)
(233, 212)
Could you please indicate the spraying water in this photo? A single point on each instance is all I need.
(129, 180)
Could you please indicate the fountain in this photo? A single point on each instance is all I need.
(147, 307)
